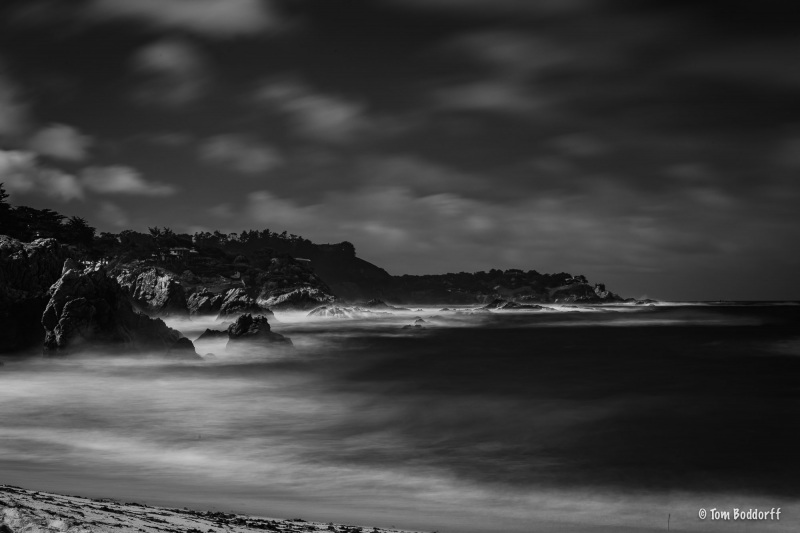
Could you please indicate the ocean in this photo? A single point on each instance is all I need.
(615, 418)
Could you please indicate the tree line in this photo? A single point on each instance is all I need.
(27, 224)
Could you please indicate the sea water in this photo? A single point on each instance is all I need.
(568, 419)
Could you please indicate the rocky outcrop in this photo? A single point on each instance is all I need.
(26, 272)
(342, 312)
(499, 303)
(237, 302)
(204, 302)
(253, 333)
(380, 304)
(210, 334)
(183, 347)
(88, 311)
(419, 323)
(474, 311)
(300, 299)
(582, 293)
(155, 291)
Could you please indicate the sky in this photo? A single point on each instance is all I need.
(650, 145)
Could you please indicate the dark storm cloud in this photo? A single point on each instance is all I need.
(622, 140)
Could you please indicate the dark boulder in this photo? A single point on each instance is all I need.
(210, 334)
(27, 270)
(89, 312)
(253, 332)
(183, 348)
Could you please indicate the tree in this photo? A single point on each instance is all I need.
(3, 196)
(78, 231)
(34, 223)
(8, 221)
(5, 212)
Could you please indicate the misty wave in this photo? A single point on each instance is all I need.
(474, 423)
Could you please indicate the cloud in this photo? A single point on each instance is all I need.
(14, 111)
(112, 214)
(512, 53)
(175, 73)
(212, 18)
(420, 176)
(22, 174)
(313, 114)
(240, 154)
(61, 142)
(511, 66)
(122, 180)
(493, 95)
(403, 208)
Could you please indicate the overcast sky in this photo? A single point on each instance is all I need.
(650, 145)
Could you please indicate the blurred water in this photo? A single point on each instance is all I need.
(564, 420)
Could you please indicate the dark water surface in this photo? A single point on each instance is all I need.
(577, 420)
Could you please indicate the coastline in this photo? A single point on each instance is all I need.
(28, 510)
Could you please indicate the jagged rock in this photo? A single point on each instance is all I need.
(209, 334)
(89, 311)
(27, 270)
(380, 304)
(237, 302)
(254, 333)
(342, 312)
(182, 347)
(155, 291)
(584, 293)
(503, 304)
(299, 299)
(475, 311)
(204, 302)
(419, 321)
(414, 326)
(70, 264)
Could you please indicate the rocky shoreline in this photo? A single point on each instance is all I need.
(65, 299)
(30, 511)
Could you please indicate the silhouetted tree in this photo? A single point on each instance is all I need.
(78, 231)
(6, 219)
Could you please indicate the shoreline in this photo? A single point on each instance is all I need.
(28, 510)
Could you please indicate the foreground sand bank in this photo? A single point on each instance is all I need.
(33, 512)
